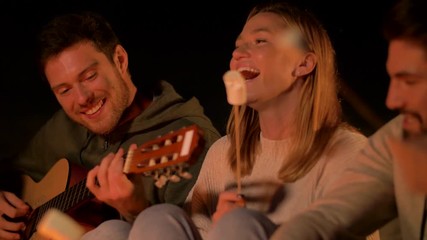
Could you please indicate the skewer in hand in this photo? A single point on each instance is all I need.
(236, 95)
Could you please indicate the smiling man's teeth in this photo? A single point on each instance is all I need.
(94, 109)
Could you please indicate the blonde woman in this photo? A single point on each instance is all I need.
(293, 140)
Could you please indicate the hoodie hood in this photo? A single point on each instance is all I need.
(167, 107)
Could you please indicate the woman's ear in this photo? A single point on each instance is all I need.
(307, 64)
(121, 59)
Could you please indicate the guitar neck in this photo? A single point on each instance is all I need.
(70, 198)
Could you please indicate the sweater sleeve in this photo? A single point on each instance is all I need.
(205, 192)
(357, 203)
(339, 155)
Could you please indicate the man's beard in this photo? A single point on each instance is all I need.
(421, 131)
(409, 135)
(108, 125)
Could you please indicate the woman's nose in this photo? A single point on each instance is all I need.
(240, 52)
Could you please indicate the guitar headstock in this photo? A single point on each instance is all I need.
(166, 157)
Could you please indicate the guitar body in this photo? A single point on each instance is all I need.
(37, 193)
(88, 212)
(55, 182)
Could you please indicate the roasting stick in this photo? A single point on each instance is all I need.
(236, 95)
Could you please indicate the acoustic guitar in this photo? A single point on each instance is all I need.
(165, 158)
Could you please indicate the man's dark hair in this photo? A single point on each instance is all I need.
(67, 30)
(407, 20)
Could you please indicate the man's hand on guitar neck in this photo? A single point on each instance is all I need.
(11, 208)
(110, 185)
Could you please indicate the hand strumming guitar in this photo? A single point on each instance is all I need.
(12, 211)
(110, 185)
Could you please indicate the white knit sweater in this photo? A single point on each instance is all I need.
(263, 190)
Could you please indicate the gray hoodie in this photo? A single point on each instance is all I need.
(61, 138)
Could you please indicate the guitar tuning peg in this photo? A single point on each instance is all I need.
(174, 178)
(167, 172)
(154, 174)
(161, 181)
(185, 175)
(164, 159)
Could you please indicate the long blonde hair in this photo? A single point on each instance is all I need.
(319, 112)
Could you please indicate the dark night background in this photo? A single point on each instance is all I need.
(190, 45)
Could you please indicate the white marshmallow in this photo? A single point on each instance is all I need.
(235, 87)
(57, 225)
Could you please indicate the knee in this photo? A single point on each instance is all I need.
(111, 229)
(239, 216)
(114, 223)
(160, 221)
(242, 223)
(159, 212)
